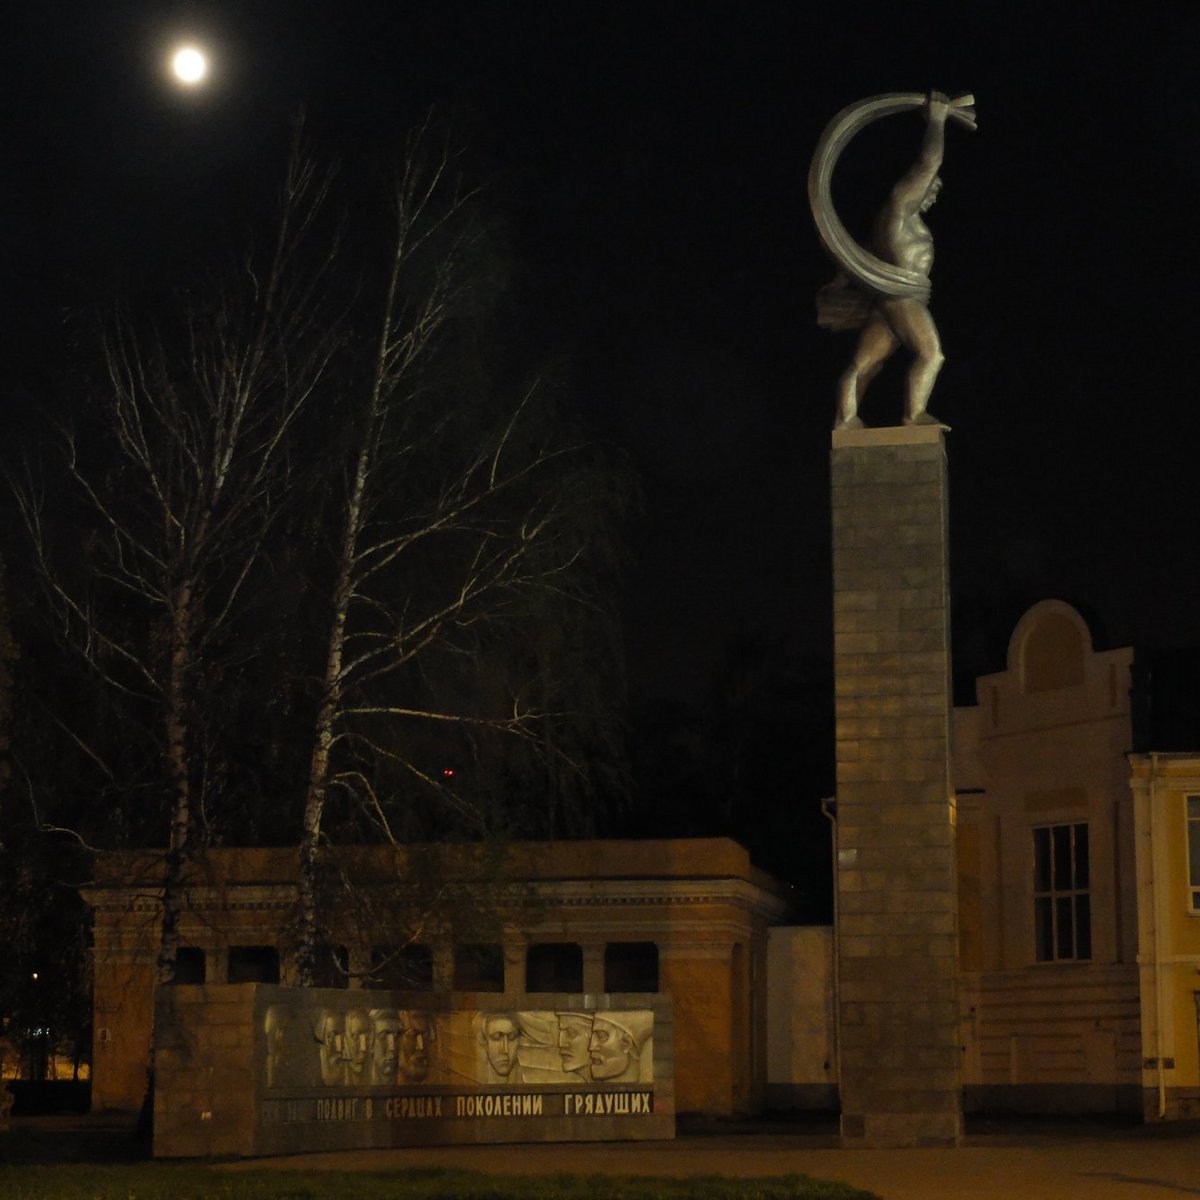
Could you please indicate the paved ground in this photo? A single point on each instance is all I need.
(1001, 1160)
(1050, 1163)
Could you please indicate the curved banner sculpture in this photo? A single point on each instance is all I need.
(865, 268)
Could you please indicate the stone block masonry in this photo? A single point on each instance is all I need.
(258, 1069)
(204, 1094)
(896, 895)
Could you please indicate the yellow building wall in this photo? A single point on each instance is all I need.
(802, 1067)
(121, 1034)
(1169, 935)
(700, 987)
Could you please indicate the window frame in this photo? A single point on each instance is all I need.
(1057, 940)
(629, 963)
(253, 962)
(550, 959)
(1192, 827)
(401, 967)
(475, 967)
(191, 961)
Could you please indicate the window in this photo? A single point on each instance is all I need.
(1193, 837)
(253, 964)
(631, 967)
(554, 967)
(1061, 902)
(479, 968)
(190, 966)
(402, 968)
(331, 969)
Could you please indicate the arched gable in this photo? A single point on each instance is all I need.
(1049, 648)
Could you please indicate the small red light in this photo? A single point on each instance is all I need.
(447, 772)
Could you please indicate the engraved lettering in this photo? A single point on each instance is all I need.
(400, 1108)
(337, 1110)
(507, 1104)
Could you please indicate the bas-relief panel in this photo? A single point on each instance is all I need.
(355, 1045)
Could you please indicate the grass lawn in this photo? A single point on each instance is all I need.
(187, 1181)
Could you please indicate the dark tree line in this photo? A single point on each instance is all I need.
(749, 757)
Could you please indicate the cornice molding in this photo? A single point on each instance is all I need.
(575, 895)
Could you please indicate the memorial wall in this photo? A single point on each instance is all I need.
(334, 1069)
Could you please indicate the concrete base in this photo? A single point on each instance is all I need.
(897, 902)
(885, 1131)
(1182, 1104)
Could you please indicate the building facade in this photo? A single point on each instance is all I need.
(1046, 865)
(684, 918)
(1078, 890)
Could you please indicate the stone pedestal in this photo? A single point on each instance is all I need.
(897, 945)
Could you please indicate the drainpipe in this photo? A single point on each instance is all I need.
(828, 811)
(1155, 864)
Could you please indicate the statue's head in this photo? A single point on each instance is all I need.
(931, 193)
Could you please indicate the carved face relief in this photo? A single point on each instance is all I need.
(415, 1035)
(329, 1033)
(275, 1026)
(574, 1029)
(500, 1036)
(385, 1028)
(359, 1039)
(611, 1051)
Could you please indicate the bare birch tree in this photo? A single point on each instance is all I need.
(443, 538)
(176, 493)
(458, 512)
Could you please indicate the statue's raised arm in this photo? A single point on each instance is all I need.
(910, 192)
(884, 291)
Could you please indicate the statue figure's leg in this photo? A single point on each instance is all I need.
(913, 325)
(875, 344)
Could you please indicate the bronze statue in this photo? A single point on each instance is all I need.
(884, 293)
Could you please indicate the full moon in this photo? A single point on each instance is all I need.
(190, 65)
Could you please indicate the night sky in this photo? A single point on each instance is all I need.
(651, 161)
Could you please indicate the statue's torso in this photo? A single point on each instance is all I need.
(904, 239)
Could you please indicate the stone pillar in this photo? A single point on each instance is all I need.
(897, 945)
(443, 967)
(593, 968)
(216, 968)
(514, 968)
